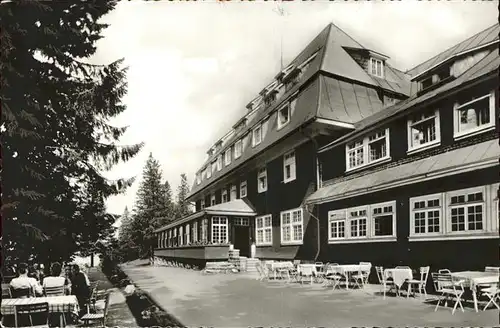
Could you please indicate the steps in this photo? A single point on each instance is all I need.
(251, 265)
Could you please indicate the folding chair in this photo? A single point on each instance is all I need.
(383, 282)
(333, 275)
(99, 317)
(32, 315)
(307, 271)
(444, 284)
(361, 278)
(420, 284)
(493, 293)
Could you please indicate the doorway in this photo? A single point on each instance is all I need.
(242, 239)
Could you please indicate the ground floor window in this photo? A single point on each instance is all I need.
(187, 235)
(292, 226)
(219, 230)
(169, 238)
(194, 231)
(263, 230)
(204, 230)
(181, 236)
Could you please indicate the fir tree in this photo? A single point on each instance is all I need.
(183, 207)
(56, 134)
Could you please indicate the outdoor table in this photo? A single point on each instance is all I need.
(474, 278)
(398, 275)
(57, 304)
(347, 269)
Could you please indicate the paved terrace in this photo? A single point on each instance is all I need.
(238, 300)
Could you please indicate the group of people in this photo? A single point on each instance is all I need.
(34, 280)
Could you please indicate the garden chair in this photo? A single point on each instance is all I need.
(361, 278)
(6, 291)
(384, 282)
(22, 292)
(493, 293)
(32, 315)
(421, 283)
(492, 269)
(97, 317)
(54, 291)
(307, 271)
(333, 275)
(449, 289)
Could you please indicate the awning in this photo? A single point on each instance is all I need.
(237, 207)
(457, 161)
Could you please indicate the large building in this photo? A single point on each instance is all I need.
(344, 158)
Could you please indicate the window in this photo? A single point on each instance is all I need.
(257, 135)
(358, 219)
(262, 180)
(227, 157)
(194, 231)
(212, 200)
(291, 226)
(264, 230)
(466, 210)
(241, 221)
(474, 114)
(238, 148)
(243, 189)
(181, 236)
(336, 222)
(204, 230)
(384, 219)
(198, 178)
(289, 166)
(423, 129)
(202, 204)
(234, 194)
(175, 240)
(170, 238)
(219, 162)
(376, 67)
(283, 116)
(187, 235)
(219, 230)
(371, 149)
(224, 196)
(214, 168)
(426, 215)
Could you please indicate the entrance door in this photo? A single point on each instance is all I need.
(242, 239)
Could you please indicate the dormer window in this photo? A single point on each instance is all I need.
(257, 135)
(371, 149)
(474, 114)
(438, 76)
(376, 67)
(238, 149)
(227, 157)
(219, 162)
(284, 116)
(198, 178)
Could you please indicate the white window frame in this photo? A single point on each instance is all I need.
(204, 230)
(458, 133)
(426, 210)
(241, 221)
(219, 162)
(364, 144)
(287, 109)
(227, 157)
(437, 127)
(261, 173)
(212, 200)
(209, 171)
(291, 225)
(233, 193)
(335, 218)
(484, 212)
(238, 149)
(256, 141)
(202, 204)
(181, 236)
(188, 233)
(214, 168)
(350, 218)
(198, 178)
(243, 187)
(224, 198)
(223, 239)
(374, 61)
(194, 231)
(289, 160)
(169, 240)
(263, 229)
(373, 216)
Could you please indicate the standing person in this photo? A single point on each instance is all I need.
(24, 282)
(55, 279)
(80, 287)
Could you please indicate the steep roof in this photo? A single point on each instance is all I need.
(313, 101)
(482, 38)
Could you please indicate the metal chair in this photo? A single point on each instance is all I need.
(444, 284)
(26, 315)
(22, 292)
(420, 284)
(332, 275)
(54, 291)
(384, 282)
(99, 317)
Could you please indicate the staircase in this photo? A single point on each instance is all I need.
(251, 265)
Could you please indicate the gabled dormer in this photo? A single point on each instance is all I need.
(374, 63)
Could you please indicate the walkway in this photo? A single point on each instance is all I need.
(118, 314)
(236, 300)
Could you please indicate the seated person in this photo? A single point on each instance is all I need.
(80, 287)
(23, 282)
(55, 279)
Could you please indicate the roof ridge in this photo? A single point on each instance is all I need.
(348, 35)
(454, 46)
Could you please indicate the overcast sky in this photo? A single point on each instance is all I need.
(193, 66)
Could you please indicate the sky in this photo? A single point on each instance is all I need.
(193, 66)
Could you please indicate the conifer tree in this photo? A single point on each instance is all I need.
(56, 135)
(183, 207)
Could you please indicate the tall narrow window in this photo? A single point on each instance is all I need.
(243, 189)
(234, 193)
(358, 219)
(219, 162)
(198, 178)
(263, 230)
(214, 168)
(257, 135)
(204, 230)
(187, 234)
(284, 116)
(289, 166)
(423, 129)
(202, 204)
(262, 180)
(194, 232)
(219, 230)
(169, 238)
(238, 149)
(384, 217)
(181, 236)
(224, 196)
(337, 224)
(227, 156)
(376, 67)
(212, 200)
(175, 241)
